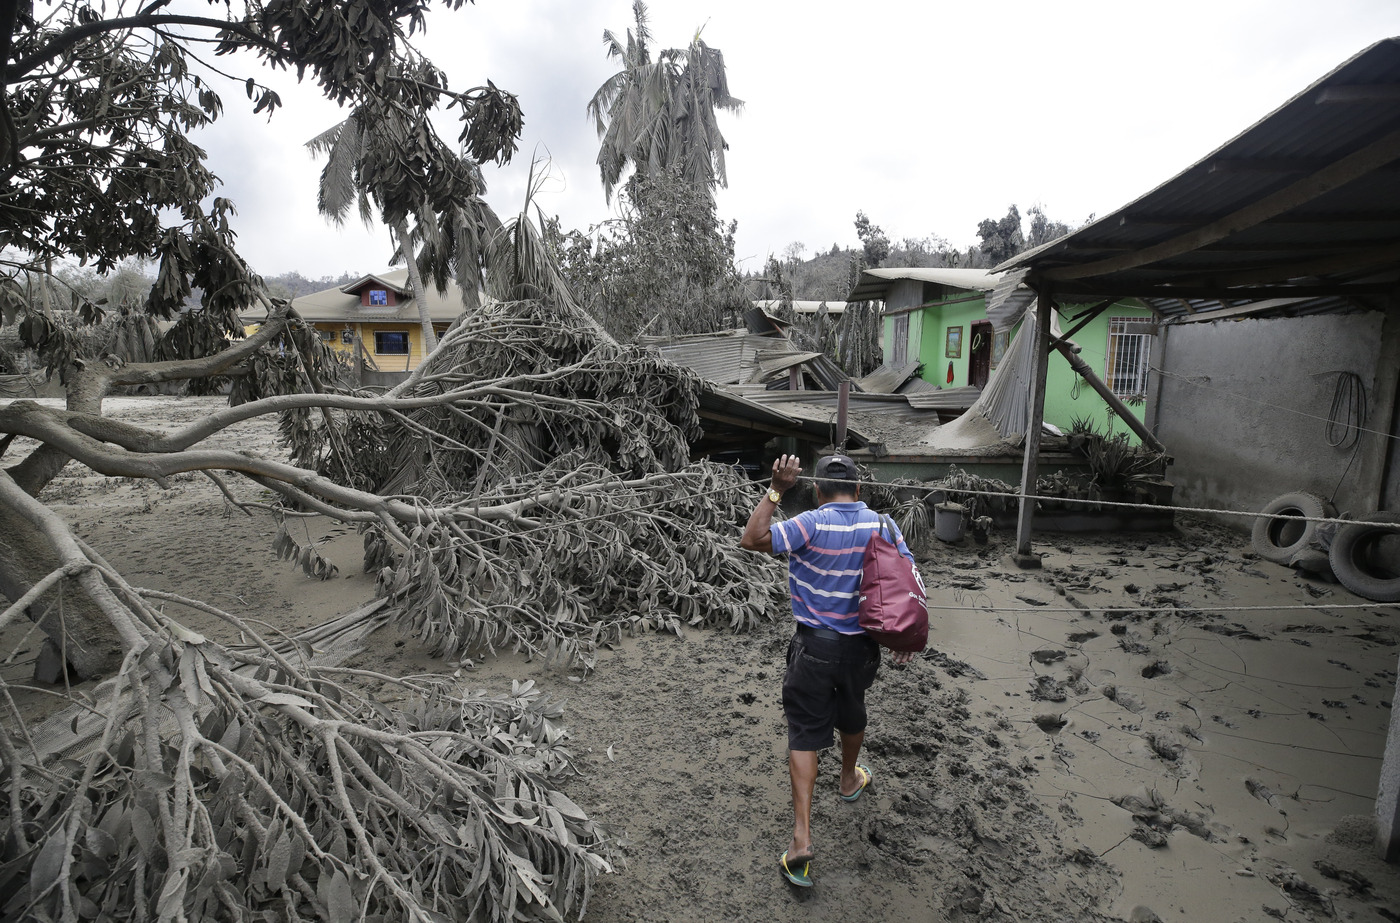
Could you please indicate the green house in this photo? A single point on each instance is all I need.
(937, 317)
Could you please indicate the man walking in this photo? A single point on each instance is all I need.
(831, 661)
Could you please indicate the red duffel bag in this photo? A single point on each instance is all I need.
(893, 601)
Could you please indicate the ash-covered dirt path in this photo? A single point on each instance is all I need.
(697, 780)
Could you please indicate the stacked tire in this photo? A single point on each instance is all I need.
(1281, 539)
(1365, 556)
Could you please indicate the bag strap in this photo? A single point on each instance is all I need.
(887, 528)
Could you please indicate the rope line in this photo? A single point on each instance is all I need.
(1162, 609)
(748, 488)
(1124, 505)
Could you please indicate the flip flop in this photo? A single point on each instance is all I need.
(864, 782)
(802, 879)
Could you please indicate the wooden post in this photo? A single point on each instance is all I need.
(1035, 413)
(794, 379)
(843, 401)
(1111, 399)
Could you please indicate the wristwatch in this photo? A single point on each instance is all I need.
(774, 496)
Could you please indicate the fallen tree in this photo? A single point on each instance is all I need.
(533, 488)
(556, 509)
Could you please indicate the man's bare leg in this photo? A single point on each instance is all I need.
(802, 769)
(850, 752)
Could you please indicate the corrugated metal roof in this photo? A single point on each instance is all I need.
(945, 399)
(724, 410)
(722, 358)
(869, 417)
(771, 366)
(887, 379)
(916, 386)
(874, 283)
(802, 307)
(1302, 210)
(737, 357)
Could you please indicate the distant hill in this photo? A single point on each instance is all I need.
(826, 277)
(294, 284)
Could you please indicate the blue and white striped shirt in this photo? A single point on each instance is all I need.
(825, 549)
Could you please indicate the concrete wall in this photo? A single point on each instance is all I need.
(384, 380)
(1248, 422)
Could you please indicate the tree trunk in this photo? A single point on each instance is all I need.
(77, 631)
(76, 628)
(415, 284)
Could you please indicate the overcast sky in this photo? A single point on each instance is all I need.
(927, 115)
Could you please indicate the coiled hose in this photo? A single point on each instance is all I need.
(1348, 412)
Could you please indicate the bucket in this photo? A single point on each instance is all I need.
(948, 522)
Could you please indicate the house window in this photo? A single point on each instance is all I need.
(387, 343)
(347, 336)
(378, 296)
(327, 336)
(900, 340)
(1129, 352)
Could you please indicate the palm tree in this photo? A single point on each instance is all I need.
(627, 108)
(659, 115)
(349, 148)
(700, 91)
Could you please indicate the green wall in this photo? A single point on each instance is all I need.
(1063, 400)
(932, 345)
(1061, 403)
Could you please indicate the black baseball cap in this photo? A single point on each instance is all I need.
(836, 468)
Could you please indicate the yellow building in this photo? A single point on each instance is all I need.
(375, 318)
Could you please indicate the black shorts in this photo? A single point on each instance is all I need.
(824, 687)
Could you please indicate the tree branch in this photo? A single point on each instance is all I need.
(77, 34)
(143, 373)
(137, 439)
(90, 384)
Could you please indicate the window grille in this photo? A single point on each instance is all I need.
(388, 343)
(1129, 356)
